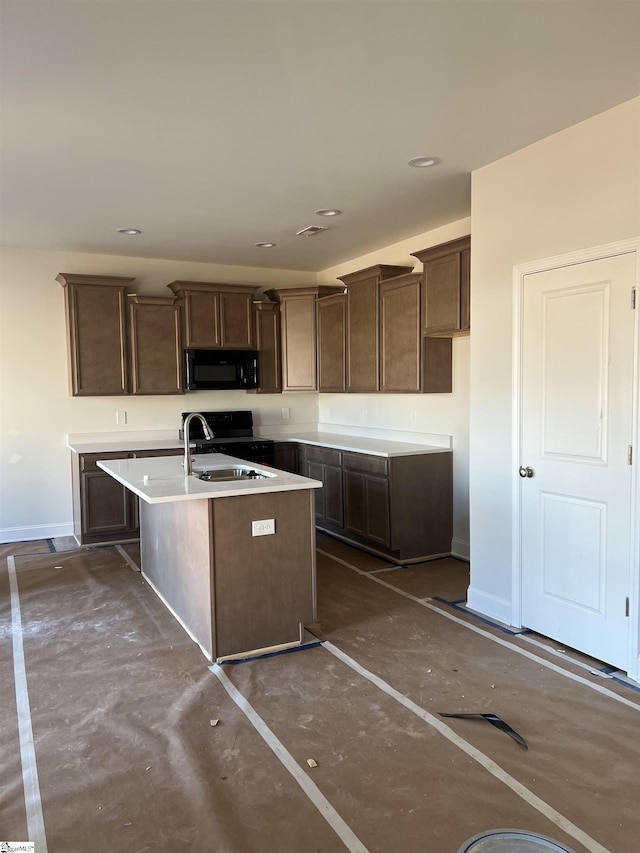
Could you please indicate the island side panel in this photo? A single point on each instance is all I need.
(264, 586)
(175, 541)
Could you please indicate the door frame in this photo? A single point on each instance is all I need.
(631, 246)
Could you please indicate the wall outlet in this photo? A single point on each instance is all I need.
(121, 418)
(364, 414)
(413, 417)
(264, 527)
(285, 413)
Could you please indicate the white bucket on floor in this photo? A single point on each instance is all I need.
(512, 841)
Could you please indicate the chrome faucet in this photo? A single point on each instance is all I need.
(188, 461)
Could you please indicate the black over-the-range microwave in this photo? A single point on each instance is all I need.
(220, 369)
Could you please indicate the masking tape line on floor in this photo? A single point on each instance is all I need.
(499, 640)
(339, 826)
(129, 560)
(32, 800)
(487, 763)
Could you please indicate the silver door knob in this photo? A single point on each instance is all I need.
(525, 472)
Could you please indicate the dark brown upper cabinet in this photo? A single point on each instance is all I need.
(267, 324)
(96, 310)
(400, 334)
(216, 315)
(363, 325)
(446, 283)
(332, 343)
(298, 329)
(155, 329)
(409, 362)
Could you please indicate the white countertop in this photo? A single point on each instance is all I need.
(360, 444)
(109, 443)
(166, 481)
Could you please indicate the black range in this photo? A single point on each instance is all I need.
(233, 435)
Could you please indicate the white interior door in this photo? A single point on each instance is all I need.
(576, 429)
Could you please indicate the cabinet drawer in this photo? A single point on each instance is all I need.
(323, 454)
(378, 465)
(88, 460)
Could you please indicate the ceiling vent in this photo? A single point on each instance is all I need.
(311, 231)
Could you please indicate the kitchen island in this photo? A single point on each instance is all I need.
(233, 560)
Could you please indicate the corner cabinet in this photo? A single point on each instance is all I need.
(97, 334)
(216, 315)
(363, 319)
(156, 345)
(446, 288)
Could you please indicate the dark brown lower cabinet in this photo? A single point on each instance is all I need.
(103, 509)
(286, 456)
(366, 505)
(400, 506)
(325, 464)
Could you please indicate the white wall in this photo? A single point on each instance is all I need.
(446, 414)
(577, 189)
(36, 411)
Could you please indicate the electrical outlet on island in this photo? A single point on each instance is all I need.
(264, 527)
(121, 418)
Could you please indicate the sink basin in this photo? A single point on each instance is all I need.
(238, 472)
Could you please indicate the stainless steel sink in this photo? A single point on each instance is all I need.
(238, 472)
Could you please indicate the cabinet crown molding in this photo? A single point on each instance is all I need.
(458, 245)
(141, 299)
(381, 271)
(67, 278)
(179, 287)
(318, 290)
(406, 278)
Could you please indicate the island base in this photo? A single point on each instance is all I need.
(236, 593)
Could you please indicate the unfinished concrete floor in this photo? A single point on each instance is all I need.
(108, 744)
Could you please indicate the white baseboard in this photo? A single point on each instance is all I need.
(489, 605)
(28, 534)
(461, 549)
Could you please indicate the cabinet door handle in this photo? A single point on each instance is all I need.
(525, 472)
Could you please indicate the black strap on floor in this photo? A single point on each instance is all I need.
(495, 721)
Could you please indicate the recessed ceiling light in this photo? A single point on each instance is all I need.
(130, 232)
(328, 211)
(265, 245)
(423, 162)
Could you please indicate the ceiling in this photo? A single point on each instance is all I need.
(212, 126)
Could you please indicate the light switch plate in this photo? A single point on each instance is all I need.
(264, 527)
